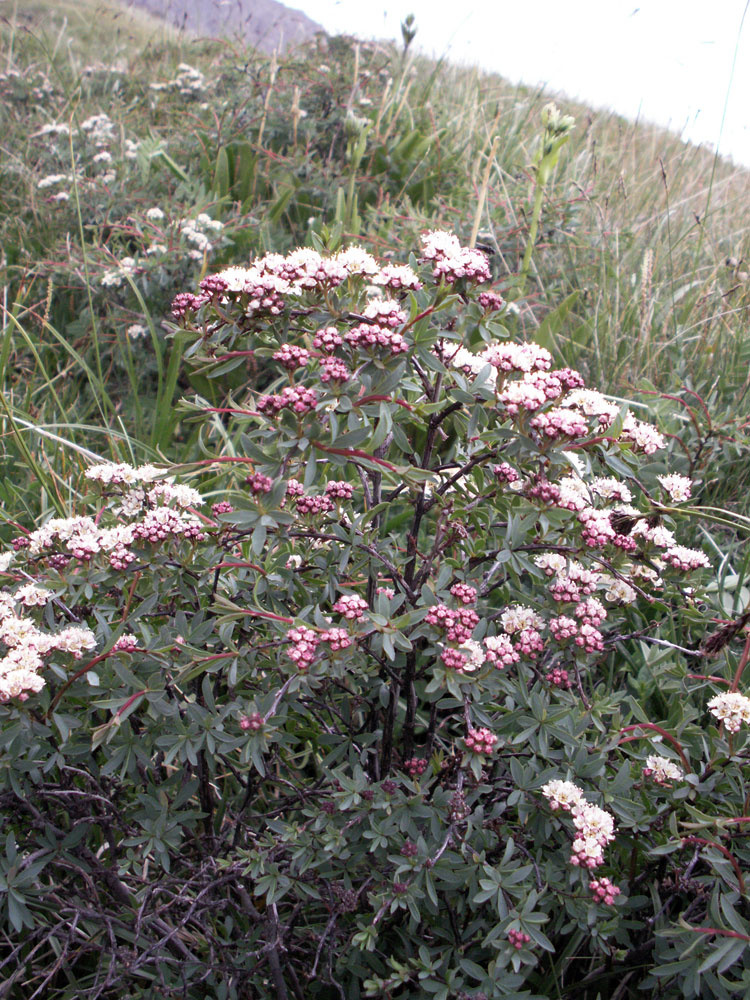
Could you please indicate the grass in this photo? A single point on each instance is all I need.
(637, 275)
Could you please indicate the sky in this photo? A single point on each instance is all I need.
(673, 62)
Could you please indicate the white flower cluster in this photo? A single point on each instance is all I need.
(595, 827)
(518, 618)
(731, 708)
(100, 127)
(662, 770)
(114, 278)
(153, 511)
(26, 645)
(188, 81)
(194, 231)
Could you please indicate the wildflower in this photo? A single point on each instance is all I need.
(302, 649)
(51, 180)
(125, 644)
(518, 617)
(474, 655)
(731, 708)
(154, 214)
(678, 487)
(32, 596)
(499, 651)
(686, 559)
(604, 891)
(351, 607)
(464, 593)
(661, 770)
(480, 741)
(136, 330)
(563, 795)
(518, 938)
(415, 766)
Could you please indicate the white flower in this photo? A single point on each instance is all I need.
(731, 708)
(678, 487)
(563, 794)
(662, 770)
(518, 618)
(474, 654)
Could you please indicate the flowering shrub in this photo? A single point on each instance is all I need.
(363, 714)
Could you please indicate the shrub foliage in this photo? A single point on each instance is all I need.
(396, 692)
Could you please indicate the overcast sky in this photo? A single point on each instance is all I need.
(668, 61)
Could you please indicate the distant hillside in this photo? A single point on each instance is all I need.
(264, 24)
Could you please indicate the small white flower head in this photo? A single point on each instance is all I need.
(474, 653)
(731, 708)
(618, 590)
(32, 596)
(662, 771)
(518, 618)
(677, 487)
(136, 330)
(51, 180)
(154, 214)
(563, 795)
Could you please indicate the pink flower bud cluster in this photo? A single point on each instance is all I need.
(499, 650)
(505, 473)
(185, 303)
(464, 593)
(314, 505)
(337, 639)
(604, 891)
(481, 741)
(253, 722)
(560, 423)
(686, 559)
(222, 507)
(454, 659)
(328, 339)
(458, 624)
(415, 766)
(509, 357)
(125, 644)
(597, 527)
(452, 261)
(164, 522)
(259, 483)
(518, 939)
(589, 639)
(351, 607)
(294, 397)
(290, 356)
(563, 628)
(491, 301)
(334, 370)
(339, 490)
(529, 642)
(294, 488)
(591, 612)
(367, 335)
(559, 678)
(303, 642)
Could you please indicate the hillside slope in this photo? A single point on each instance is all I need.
(264, 24)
